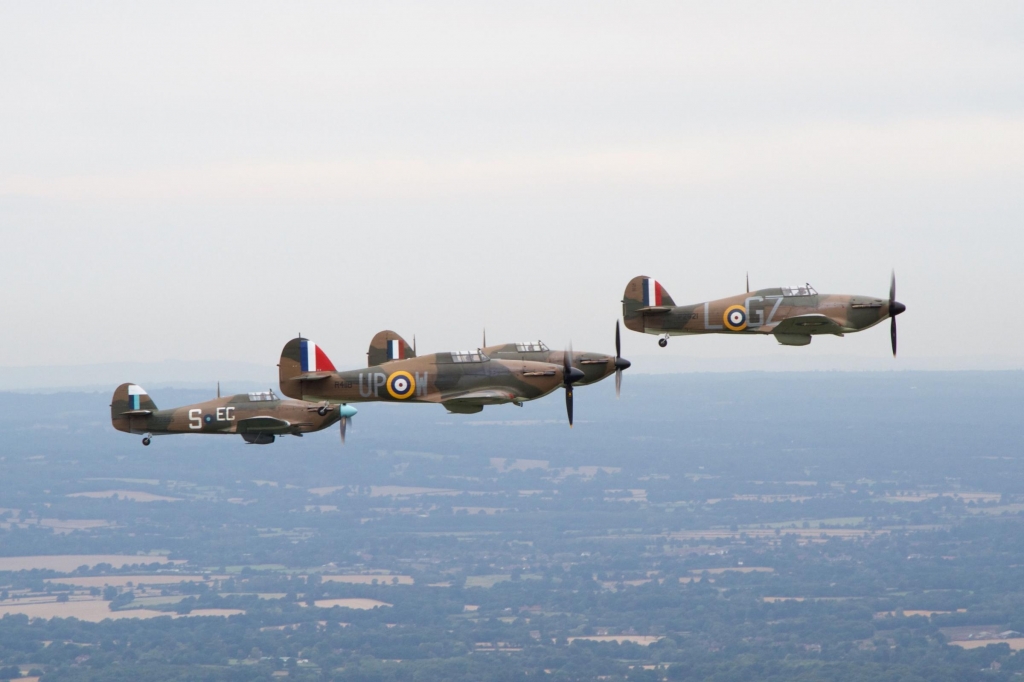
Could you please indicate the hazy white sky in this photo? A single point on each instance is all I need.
(204, 180)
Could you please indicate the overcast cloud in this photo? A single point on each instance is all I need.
(201, 181)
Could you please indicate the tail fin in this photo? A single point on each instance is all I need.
(642, 292)
(387, 346)
(298, 357)
(129, 400)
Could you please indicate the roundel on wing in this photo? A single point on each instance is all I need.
(735, 318)
(401, 385)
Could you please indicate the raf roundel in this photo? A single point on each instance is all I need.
(735, 318)
(401, 385)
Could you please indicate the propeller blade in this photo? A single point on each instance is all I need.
(570, 375)
(343, 427)
(895, 308)
(568, 403)
(618, 357)
(620, 362)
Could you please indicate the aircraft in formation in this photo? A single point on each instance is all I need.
(793, 315)
(595, 366)
(463, 382)
(257, 417)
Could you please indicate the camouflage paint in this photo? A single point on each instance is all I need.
(236, 414)
(792, 319)
(461, 386)
(595, 366)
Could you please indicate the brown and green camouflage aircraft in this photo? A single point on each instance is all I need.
(462, 381)
(257, 417)
(595, 366)
(791, 314)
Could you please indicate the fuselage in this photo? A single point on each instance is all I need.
(760, 312)
(433, 378)
(595, 366)
(223, 415)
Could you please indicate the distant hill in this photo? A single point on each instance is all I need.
(239, 376)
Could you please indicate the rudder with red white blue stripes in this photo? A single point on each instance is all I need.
(643, 293)
(312, 358)
(387, 346)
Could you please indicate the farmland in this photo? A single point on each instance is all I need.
(503, 548)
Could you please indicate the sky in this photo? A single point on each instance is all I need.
(202, 181)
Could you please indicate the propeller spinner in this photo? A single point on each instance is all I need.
(347, 413)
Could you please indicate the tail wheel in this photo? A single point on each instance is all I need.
(146, 441)
(662, 342)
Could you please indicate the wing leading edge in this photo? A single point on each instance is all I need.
(263, 425)
(474, 401)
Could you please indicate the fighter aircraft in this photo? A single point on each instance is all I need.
(791, 314)
(462, 381)
(595, 366)
(256, 417)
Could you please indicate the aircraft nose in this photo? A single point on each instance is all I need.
(895, 308)
(575, 375)
(347, 411)
(622, 363)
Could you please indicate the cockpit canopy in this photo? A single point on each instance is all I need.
(260, 396)
(530, 346)
(468, 356)
(799, 290)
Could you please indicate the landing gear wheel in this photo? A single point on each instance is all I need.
(146, 441)
(662, 342)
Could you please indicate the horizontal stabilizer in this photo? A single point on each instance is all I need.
(312, 376)
(302, 360)
(129, 400)
(644, 296)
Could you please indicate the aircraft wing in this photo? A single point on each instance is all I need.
(263, 425)
(474, 401)
(807, 324)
